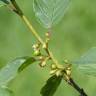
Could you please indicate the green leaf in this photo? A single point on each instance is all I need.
(4, 2)
(51, 86)
(26, 63)
(50, 12)
(10, 71)
(87, 62)
(5, 92)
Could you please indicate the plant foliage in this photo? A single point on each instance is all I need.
(3, 2)
(9, 72)
(51, 86)
(87, 62)
(50, 12)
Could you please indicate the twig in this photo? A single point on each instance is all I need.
(76, 87)
(29, 25)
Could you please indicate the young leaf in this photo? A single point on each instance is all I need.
(50, 12)
(5, 92)
(51, 86)
(9, 72)
(26, 63)
(3, 2)
(87, 62)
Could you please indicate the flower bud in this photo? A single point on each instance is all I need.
(43, 64)
(53, 66)
(53, 71)
(68, 71)
(44, 46)
(58, 73)
(36, 46)
(36, 52)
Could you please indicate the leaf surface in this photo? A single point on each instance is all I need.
(26, 64)
(51, 86)
(87, 62)
(10, 71)
(50, 12)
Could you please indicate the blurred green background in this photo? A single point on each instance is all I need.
(74, 35)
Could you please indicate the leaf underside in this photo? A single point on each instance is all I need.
(10, 71)
(50, 12)
(87, 62)
(51, 86)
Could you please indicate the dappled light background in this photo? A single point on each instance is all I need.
(75, 34)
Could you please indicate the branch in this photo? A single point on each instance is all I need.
(31, 28)
(35, 33)
(37, 36)
(76, 87)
